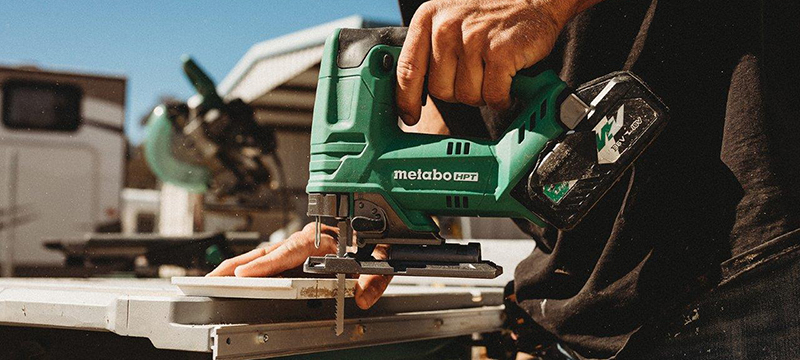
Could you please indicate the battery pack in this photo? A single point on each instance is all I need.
(577, 169)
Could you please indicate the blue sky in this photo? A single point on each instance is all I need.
(143, 40)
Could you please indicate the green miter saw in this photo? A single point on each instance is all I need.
(209, 144)
(562, 152)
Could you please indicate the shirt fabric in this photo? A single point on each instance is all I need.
(716, 190)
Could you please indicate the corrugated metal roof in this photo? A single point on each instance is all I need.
(269, 73)
(306, 42)
(278, 77)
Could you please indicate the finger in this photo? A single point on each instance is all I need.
(413, 64)
(469, 76)
(496, 90)
(291, 253)
(445, 46)
(227, 267)
(369, 288)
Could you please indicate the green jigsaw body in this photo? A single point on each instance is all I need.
(358, 147)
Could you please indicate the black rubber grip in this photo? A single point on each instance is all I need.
(355, 44)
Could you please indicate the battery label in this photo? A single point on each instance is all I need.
(557, 192)
(618, 132)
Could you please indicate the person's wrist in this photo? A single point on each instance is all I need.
(552, 15)
(562, 11)
(579, 6)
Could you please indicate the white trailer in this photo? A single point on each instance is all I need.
(62, 152)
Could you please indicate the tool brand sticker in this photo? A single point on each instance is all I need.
(557, 192)
(619, 132)
(435, 175)
(606, 130)
(465, 176)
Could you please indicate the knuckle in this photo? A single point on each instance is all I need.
(421, 16)
(425, 9)
(407, 71)
(473, 40)
(447, 28)
(499, 49)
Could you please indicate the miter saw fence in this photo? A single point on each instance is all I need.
(212, 145)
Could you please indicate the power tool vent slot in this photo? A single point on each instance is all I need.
(458, 202)
(542, 111)
(455, 148)
(532, 122)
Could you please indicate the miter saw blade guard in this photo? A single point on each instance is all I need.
(159, 151)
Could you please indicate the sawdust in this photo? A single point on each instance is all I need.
(323, 293)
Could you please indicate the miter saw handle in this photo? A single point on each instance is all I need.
(202, 83)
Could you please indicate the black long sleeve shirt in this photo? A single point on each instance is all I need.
(719, 186)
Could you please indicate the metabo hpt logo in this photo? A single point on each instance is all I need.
(435, 175)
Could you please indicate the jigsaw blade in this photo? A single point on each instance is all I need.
(317, 234)
(340, 290)
(345, 239)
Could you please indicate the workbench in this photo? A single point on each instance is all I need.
(150, 318)
(128, 318)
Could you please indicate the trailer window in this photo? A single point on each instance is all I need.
(41, 106)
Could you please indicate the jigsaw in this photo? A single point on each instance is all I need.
(564, 149)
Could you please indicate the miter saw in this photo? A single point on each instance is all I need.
(211, 145)
(562, 152)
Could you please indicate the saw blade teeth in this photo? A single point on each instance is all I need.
(340, 292)
(317, 233)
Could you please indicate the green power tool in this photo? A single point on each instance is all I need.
(561, 153)
(210, 144)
